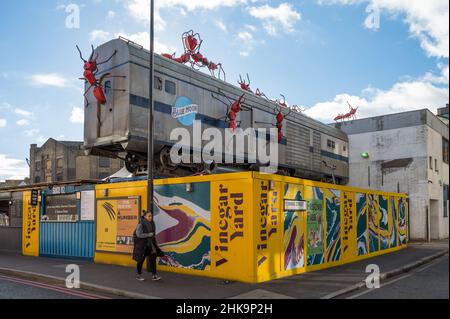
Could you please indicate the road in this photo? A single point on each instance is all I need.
(16, 288)
(430, 281)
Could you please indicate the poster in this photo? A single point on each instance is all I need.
(60, 208)
(117, 219)
(315, 227)
(88, 205)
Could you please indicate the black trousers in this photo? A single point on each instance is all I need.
(151, 262)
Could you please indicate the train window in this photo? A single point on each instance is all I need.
(158, 83)
(171, 87)
(331, 144)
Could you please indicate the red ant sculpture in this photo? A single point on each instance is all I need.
(90, 72)
(282, 104)
(351, 114)
(244, 85)
(280, 120)
(234, 108)
(192, 43)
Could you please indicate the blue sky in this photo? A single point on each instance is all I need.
(319, 53)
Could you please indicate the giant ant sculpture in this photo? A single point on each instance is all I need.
(192, 43)
(90, 72)
(244, 85)
(350, 115)
(233, 109)
(280, 117)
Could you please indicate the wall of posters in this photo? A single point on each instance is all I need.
(117, 219)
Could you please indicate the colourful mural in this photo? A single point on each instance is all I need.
(183, 223)
(402, 221)
(361, 208)
(315, 228)
(294, 234)
(393, 242)
(333, 224)
(373, 223)
(384, 222)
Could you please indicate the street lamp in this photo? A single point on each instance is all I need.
(150, 149)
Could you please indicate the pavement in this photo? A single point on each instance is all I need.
(324, 284)
(426, 282)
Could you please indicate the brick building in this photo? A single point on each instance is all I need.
(58, 161)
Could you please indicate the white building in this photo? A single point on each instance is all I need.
(408, 153)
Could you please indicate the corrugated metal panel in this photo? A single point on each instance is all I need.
(297, 151)
(317, 158)
(71, 240)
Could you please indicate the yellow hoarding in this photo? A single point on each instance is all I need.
(30, 231)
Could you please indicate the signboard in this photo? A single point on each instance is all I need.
(117, 219)
(34, 197)
(61, 208)
(87, 205)
(294, 205)
(315, 227)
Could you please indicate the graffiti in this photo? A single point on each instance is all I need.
(183, 225)
(361, 208)
(294, 234)
(333, 218)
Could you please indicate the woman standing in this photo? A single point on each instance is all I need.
(146, 247)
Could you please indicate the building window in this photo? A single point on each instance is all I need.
(59, 177)
(60, 162)
(104, 162)
(331, 144)
(4, 213)
(431, 163)
(445, 151)
(37, 179)
(38, 166)
(171, 87)
(158, 83)
(344, 148)
(436, 166)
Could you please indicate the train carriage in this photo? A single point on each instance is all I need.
(118, 128)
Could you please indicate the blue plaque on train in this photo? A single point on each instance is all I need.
(185, 111)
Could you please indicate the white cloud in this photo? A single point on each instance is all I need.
(3, 123)
(428, 21)
(221, 25)
(77, 115)
(283, 17)
(111, 14)
(11, 168)
(143, 38)
(49, 79)
(245, 36)
(139, 9)
(425, 92)
(31, 133)
(23, 112)
(98, 35)
(23, 122)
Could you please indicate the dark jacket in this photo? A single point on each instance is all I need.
(145, 241)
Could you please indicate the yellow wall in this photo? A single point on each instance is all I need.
(250, 231)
